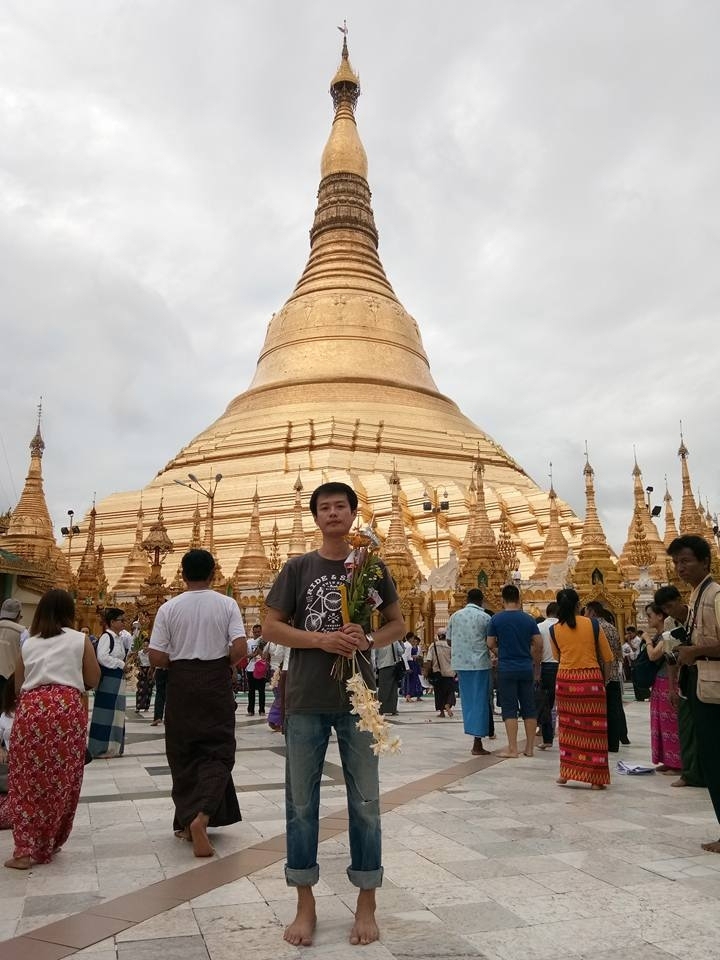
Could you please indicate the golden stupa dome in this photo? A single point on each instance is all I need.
(342, 390)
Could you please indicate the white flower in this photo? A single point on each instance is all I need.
(365, 705)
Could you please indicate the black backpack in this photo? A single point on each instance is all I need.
(644, 670)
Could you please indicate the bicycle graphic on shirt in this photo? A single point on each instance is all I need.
(323, 605)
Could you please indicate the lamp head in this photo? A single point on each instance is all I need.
(193, 478)
(218, 477)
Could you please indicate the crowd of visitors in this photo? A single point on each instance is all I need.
(561, 674)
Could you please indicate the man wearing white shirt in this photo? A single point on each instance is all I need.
(107, 729)
(198, 636)
(548, 676)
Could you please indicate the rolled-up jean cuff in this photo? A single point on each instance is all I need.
(365, 879)
(302, 878)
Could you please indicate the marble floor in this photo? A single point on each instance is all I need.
(483, 859)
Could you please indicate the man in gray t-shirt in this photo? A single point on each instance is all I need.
(304, 612)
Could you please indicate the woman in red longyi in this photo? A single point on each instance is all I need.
(50, 731)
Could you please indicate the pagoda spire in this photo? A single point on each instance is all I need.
(137, 566)
(29, 532)
(343, 316)
(195, 538)
(102, 580)
(177, 584)
(253, 569)
(592, 532)
(596, 573)
(671, 530)
(555, 548)
(296, 546)
(395, 550)
(651, 537)
(88, 586)
(690, 521)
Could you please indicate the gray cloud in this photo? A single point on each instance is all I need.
(545, 181)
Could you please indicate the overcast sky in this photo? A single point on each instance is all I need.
(545, 181)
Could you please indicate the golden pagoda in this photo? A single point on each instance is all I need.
(296, 543)
(253, 569)
(88, 580)
(154, 591)
(655, 546)
(690, 521)
(671, 530)
(553, 561)
(395, 551)
(342, 390)
(28, 542)
(137, 565)
(596, 575)
(480, 564)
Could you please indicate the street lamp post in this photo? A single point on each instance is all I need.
(70, 532)
(436, 506)
(653, 511)
(209, 493)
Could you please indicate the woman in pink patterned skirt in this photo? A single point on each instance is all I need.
(664, 735)
(49, 732)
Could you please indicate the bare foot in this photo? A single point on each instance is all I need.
(526, 754)
(562, 781)
(507, 755)
(597, 786)
(19, 863)
(712, 847)
(365, 929)
(680, 782)
(198, 834)
(184, 834)
(300, 932)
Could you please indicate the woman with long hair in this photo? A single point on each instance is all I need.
(107, 728)
(664, 731)
(48, 736)
(583, 654)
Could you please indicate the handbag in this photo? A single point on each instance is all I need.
(435, 675)
(708, 680)
(645, 670)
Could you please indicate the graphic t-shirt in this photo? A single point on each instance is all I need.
(306, 590)
(514, 630)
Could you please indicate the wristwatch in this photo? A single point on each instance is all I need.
(371, 640)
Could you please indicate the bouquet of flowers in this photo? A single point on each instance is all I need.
(359, 598)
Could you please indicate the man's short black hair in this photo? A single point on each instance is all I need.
(198, 565)
(551, 609)
(668, 594)
(699, 547)
(510, 593)
(475, 596)
(328, 489)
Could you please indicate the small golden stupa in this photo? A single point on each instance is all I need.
(343, 391)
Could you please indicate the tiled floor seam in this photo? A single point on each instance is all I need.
(89, 927)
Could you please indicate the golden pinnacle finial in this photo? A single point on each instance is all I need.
(552, 495)
(297, 486)
(636, 469)
(587, 469)
(683, 451)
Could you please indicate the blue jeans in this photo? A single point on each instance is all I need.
(306, 738)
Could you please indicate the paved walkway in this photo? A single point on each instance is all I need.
(483, 858)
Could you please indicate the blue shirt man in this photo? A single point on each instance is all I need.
(517, 640)
(467, 632)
